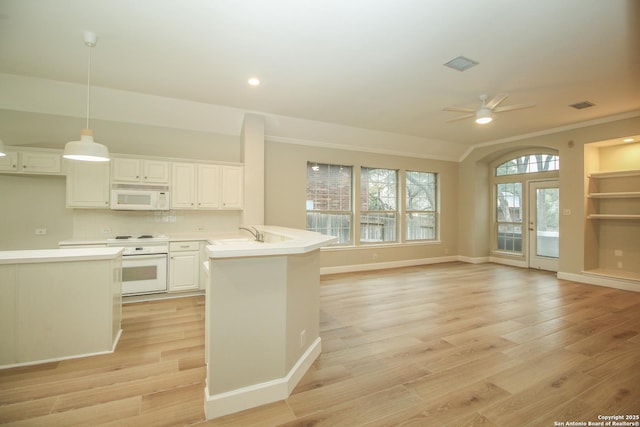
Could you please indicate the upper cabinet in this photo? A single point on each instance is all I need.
(139, 170)
(31, 162)
(87, 184)
(206, 186)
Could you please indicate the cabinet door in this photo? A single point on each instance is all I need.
(156, 171)
(183, 186)
(9, 163)
(34, 162)
(208, 187)
(232, 187)
(126, 170)
(87, 185)
(184, 271)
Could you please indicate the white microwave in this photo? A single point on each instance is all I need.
(127, 197)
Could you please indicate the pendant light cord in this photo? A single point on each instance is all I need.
(89, 86)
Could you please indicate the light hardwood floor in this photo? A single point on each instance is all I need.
(451, 344)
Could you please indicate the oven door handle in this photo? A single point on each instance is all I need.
(144, 256)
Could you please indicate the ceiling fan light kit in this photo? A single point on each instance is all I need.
(485, 113)
(484, 116)
(86, 149)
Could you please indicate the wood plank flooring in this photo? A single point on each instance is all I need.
(443, 345)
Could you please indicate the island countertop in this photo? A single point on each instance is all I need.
(57, 255)
(277, 241)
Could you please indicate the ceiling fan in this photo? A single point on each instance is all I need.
(485, 113)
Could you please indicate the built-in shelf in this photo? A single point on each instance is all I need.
(616, 195)
(614, 274)
(615, 174)
(613, 216)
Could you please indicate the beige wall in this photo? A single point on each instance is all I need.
(28, 202)
(285, 181)
(474, 239)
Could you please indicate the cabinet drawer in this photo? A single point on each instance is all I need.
(184, 246)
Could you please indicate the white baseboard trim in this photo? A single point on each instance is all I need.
(385, 265)
(473, 260)
(507, 261)
(59, 359)
(229, 402)
(626, 285)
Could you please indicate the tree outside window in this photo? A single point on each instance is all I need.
(378, 205)
(421, 206)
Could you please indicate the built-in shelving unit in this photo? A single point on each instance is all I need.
(612, 220)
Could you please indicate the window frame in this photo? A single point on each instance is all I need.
(348, 213)
(435, 211)
(395, 213)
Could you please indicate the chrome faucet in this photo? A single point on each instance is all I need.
(259, 236)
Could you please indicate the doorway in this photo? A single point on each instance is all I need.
(544, 225)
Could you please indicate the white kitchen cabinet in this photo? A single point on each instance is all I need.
(31, 162)
(140, 170)
(232, 187)
(206, 186)
(88, 184)
(183, 186)
(184, 266)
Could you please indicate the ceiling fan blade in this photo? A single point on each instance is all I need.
(496, 100)
(459, 110)
(513, 107)
(466, 116)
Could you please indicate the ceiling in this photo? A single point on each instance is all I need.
(373, 64)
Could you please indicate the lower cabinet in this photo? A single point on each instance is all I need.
(184, 266)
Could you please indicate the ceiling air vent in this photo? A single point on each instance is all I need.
(582, 105)
(461, 63)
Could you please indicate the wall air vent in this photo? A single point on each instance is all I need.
(461, 63)
(582, 105)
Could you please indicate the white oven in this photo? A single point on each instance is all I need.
(144, 264)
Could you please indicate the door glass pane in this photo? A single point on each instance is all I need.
(547, 221)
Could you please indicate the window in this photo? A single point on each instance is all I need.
(421, 206)
(509, 216)
(530, 163)
(378, 205)
(329, 200)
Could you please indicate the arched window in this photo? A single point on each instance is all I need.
(530, 163)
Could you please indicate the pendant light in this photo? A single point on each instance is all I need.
(87, 149)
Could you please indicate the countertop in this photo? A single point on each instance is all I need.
(58, 255)
(278, 241)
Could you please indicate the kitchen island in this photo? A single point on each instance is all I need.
(58, 304)
(262, 316)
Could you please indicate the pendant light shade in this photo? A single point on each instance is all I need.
(2, 149)
(86, 149)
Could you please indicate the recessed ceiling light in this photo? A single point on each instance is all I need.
(628, 140)
(254, 81)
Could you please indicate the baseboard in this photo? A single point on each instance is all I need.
(473, 260)
(385, 265)
(59, 359)
(508, 261)
(626, 285)
(229, 402)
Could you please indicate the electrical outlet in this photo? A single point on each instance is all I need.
(619, 264)
(303, 338)
(41, 231)
(106, 230)
(617, 252)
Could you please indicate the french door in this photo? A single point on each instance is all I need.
(544, 225)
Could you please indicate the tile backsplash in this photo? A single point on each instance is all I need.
(99, 224)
